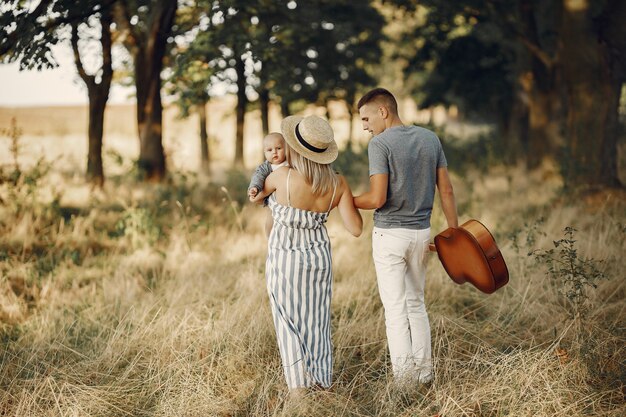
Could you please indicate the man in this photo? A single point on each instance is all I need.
(405, 165)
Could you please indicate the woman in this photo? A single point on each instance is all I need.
(299, 268)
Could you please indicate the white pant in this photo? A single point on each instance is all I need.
(399, 256)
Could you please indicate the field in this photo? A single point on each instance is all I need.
(150, 299)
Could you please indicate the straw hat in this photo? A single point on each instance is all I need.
(311, 136)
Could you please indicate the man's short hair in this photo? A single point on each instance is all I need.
(381, 96)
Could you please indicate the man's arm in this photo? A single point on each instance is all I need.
(446, 194)
(376, 197)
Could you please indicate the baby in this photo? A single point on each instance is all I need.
(274, 151)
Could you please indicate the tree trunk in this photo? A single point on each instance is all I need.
(284, 107)
(98, 93)
(139, 58)
(97, 106)
(613, 34)
(264, 101)
(151, 156)
(242, 104)
(515, 131)
(204, 138)
(148, 60)
(544, 123)
(350, 107)
(540, 88)
(592, 101)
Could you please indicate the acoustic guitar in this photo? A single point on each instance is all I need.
(469, 254)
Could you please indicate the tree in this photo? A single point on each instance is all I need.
(568, 64)
(191, 72)
(232, 30)
(147, 25)
(323, 50)
(28, 35)
(189, 84)
(592, 56)
(98, 87)
(348, 41)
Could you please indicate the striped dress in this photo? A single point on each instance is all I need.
(299, 279)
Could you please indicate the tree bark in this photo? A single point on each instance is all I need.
(95, 170)
(242, 104)
(98, 93)
(540, 88)
(612, 31)
(515, 130)
(350, 106)
(544, 121)
(264, 101)
(148, 49)
(150, 120)
(590, 159)
(284, 107)
(204, 138)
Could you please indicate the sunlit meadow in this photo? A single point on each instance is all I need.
(150, 299)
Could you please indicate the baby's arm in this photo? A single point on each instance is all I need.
(268, 188)
(258, 178)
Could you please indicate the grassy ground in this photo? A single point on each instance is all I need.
(150, 301)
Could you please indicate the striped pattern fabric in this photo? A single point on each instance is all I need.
(299, 280)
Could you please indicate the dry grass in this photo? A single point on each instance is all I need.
(60, 134)
(147, 300)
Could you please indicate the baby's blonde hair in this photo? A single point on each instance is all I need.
(320, 177)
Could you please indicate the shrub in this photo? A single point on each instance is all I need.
(569, 272)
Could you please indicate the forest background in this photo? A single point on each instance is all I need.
(117, 299)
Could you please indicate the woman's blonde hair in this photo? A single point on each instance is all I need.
(321, 177)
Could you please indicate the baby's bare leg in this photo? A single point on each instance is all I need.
(269, 222)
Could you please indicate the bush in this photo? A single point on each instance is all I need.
(237, 185)
(570, 273)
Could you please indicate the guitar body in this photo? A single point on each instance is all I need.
(469, 254)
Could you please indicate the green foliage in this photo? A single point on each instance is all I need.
(237, 186)
(23, 183)
(138, 225)
(14, 133)
(29, 33)
(526, 237)
(467, 58)
(483, 151)
(308, 51)
(191, 72)
(569, 272)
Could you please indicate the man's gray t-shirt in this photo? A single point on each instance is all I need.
(411, 156)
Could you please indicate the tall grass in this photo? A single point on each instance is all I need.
(151, 301)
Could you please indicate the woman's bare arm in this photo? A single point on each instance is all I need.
(351, 217)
